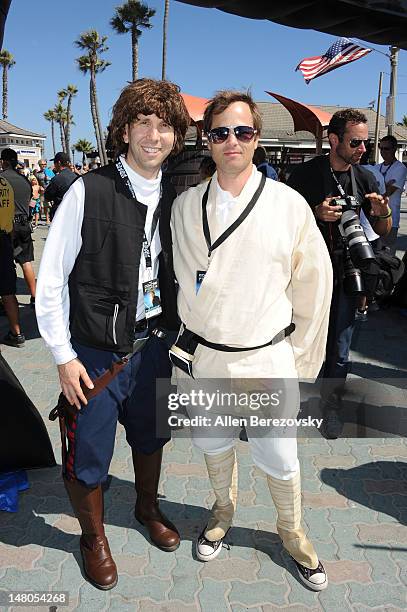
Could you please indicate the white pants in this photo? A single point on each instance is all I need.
(270, 368)
(275, 456)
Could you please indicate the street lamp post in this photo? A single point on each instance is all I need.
(394, 52)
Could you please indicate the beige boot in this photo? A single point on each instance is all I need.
(286, 496)
(222, 471)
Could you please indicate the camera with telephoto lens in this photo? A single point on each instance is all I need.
(358, 252)
(352, 277)
(346, 203)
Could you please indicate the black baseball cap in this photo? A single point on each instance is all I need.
(62, 158)
(9, 155)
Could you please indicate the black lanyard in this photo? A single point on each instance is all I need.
(340, 188)
(146, 245)
(235, 225)
(388, 168)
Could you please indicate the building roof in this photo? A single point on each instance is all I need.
(278, 123)
(9, 128)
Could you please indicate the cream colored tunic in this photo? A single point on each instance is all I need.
(272, 270)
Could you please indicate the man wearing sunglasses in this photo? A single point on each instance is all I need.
(320, 180)
(394, 174)
(252, 270)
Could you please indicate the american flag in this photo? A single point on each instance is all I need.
(341, 52)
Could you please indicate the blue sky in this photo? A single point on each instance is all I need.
(207, 50)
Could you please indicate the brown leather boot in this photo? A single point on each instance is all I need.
(147, 470)
(98, 564)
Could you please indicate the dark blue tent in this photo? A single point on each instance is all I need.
(383, 22)
(24, 440)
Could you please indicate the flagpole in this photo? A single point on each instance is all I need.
(394, 52)
(376, 133)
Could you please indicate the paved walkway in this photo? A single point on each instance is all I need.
(354, 497)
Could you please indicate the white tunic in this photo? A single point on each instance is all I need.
(272, 270)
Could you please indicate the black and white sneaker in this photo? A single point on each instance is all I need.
(207, 550)
(315, 579)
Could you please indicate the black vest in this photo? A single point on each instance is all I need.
(103, 285)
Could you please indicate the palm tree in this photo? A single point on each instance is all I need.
(7, 61)
(94, 44)
(165, 30)
(50, 115)
(69, 93)
(403, 121)
(130, 17)
(83, 146)
(60, 118)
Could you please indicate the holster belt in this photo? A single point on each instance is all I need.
(182, 353)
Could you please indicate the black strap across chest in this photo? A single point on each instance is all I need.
(235, 224)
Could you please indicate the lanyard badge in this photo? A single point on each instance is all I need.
(152, 298)
(151, 290)
(200, 274)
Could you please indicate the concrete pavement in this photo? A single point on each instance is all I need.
(354, 497)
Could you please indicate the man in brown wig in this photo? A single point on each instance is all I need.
(110, 246)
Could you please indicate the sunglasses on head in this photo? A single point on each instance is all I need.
(244, 133)
(356, 142)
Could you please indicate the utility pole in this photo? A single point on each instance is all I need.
(376, 133)
(394, 52)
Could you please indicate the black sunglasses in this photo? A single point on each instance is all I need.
(356, 142)
(244, 133)
(385, 148)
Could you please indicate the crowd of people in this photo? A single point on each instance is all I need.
(27, 196)
(242, 277)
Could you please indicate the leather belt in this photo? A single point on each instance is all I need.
(232, 349)
(182, 353)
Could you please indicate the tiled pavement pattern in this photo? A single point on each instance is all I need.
(354, 497)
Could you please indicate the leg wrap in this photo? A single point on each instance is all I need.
(286, 496)
(222, 471)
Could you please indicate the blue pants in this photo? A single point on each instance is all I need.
(341, 326)
(129, 398)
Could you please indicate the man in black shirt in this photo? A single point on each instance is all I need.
(320, 181)
(60, 183)
(22, 241)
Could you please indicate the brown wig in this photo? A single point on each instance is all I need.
(220, 103)
(148, 97)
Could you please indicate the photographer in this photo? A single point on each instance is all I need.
(333, 184)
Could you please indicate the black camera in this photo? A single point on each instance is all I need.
(352, 231)
(352, 277)
(358, 256)
(347, 203)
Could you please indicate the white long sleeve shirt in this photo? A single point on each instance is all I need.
(61, 249)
